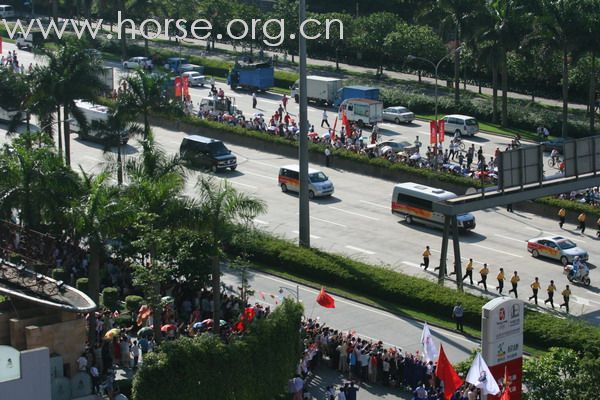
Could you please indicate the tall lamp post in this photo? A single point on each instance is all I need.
(435, 67)
(304, 210)
(296, 293)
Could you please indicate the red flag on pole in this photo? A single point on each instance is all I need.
(346, 123)
(441, 126)
(447, 374)
(0, 44)
(325, 300)
(432, 132)
(185, 83)
(506, 392)
(178, 86)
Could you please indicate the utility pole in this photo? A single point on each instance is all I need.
(304, 223)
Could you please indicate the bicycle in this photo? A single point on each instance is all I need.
(553, 163)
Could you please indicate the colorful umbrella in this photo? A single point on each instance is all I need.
(222, 323)
(168, 327)
(208, 322)
(112, 333)
(145, 331)
(198, 325)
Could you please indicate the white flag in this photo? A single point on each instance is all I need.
(480, 376)
(429, 348)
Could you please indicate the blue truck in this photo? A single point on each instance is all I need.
(252, 76)
(356, 92)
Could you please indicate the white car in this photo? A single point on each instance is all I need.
(195, 78)
(137, 62)
(398, 114)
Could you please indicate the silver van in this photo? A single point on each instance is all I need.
(6, 11)
(319, 186)
(463, 124)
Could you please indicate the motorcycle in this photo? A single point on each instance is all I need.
(582, 275)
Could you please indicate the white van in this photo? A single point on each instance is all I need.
(6, 11)
(319, 185)
(94, 114)
(463, 124)
(415, 202)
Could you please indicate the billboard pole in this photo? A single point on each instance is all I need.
(304, 222)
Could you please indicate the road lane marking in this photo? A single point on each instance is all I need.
(261, 222)
(243, 184)
(511, 238)
(412, 264)
(329, 222)
(271, 178)
(496, 250)
(312, 236)
(375, 204)
(534, 229)
(353, 213)
(360, 250)
(581, 300)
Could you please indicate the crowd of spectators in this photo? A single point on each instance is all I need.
(364, 362)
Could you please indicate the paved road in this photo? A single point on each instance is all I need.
(357, 222)
(368, 322)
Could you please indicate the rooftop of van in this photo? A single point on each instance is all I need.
(322, 78)
(201, 139)
(459, 116)
(439, 193)
(296, 168)
(358, 87)
(91, 106)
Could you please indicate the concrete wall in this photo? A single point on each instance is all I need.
(35, 378)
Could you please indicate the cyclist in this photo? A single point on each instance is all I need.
(554, 155)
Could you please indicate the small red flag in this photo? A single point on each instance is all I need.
(447, 374)
(346, 124)
(506, 393)
(178, 86)
(325, 300)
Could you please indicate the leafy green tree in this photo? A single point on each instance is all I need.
(369, 36)
(221, 209)
(415, 40)
(337, 44)
(288, 11)
(218, 12)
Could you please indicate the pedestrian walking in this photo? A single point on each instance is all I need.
(566, 294)
(458, 313)
(469, 271)
(426, 255)
(581, 218)
(324, 120)
(535, 286)
(254, 100)
(327, 156)
(562, 214)
(500, 278)
(509, 207)
(284, 102)
(514, 280)
(484, 273)
(551, 289)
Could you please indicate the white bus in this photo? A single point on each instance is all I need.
(415, 202)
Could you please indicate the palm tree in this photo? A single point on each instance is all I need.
(561, 24)
(143, 96)
(71, 74)
(35, 181)
(221, 208)
(96, 217)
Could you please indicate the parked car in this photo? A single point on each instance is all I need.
(398, 114)
(461, 124)
(195, 78)
(137, 62)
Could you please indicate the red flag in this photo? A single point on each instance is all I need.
(346, 123)
(178, 86)
(506, 393)
(248, 314)
(441, 126)
(185, 83)
(432, 132)
(0, 44)
(325, 300)
(447, 374)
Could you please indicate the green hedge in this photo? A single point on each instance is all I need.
(133, 303)
(593, 212)
(255, 366)
(83, 285)
(541, 330)
(110, 298)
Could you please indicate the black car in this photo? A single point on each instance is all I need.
(200, 151)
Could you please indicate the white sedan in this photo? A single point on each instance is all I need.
(137, 62)
(398, 114)
(195, 78)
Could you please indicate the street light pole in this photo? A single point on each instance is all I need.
(304, 211)
(297, 293)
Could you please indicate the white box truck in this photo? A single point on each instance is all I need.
(362, 111)
(94, 114)
(320, 89)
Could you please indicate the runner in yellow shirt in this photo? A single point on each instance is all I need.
(469, 271)
(535, 286)
(513, 281)
(582, 217)
(562, 213)
(426, 255)
(484, 273)
(566, 294)
(551, 289)
(500, 278)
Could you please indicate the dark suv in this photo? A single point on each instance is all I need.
(200, 151)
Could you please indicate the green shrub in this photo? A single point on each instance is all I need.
(110, 298)
(59, 274)
(125, 386)
(540, 331)
(206, 368)
(133, 303)
(124, 320)
(82, 284)
(593, 212)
